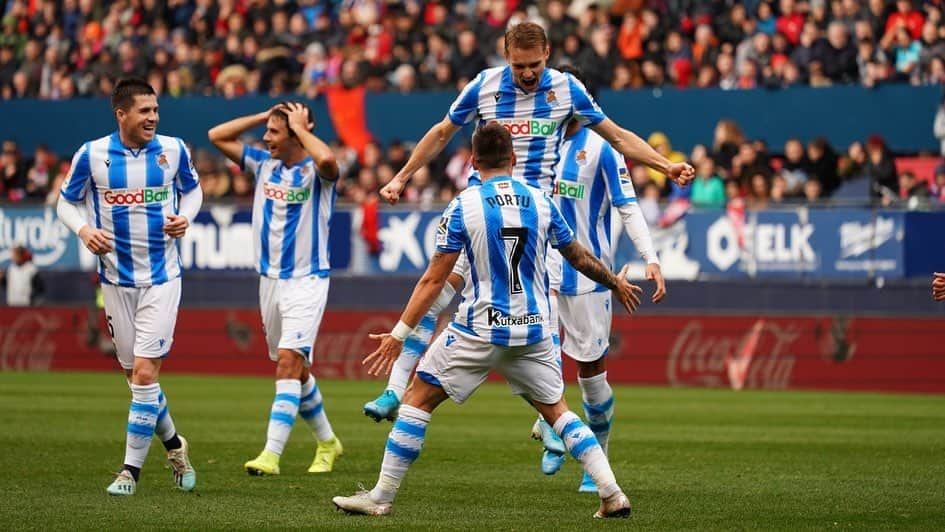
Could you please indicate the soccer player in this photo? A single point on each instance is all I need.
(534, 103)
(503, 322)
(295, 196)
(592, 178)
(129, 197)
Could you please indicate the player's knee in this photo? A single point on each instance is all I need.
(145, 372)
(289, 365)
(587, 370)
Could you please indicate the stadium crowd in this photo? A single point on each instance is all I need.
(733, 168)
(59, 49)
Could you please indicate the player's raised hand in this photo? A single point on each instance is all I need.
(391, 191)
(655, 274)
(627, 293)
(938, 286)
(382, 359)
(95, 240)
(298, 116)
(681, 173)
(176, 225)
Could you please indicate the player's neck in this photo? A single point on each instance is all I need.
(486, 175)
(128, 143)
(294, 157)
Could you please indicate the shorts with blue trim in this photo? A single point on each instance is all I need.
(292, 311)
(460, 363)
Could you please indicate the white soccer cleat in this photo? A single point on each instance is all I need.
(617, 505)
(184, 475)
(124, 484)
(361, 503)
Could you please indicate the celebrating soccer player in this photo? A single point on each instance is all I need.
(504, 322)
(295, 195)
(129, 197)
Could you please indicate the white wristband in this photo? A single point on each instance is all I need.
(401, 331)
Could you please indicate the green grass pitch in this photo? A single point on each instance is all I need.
(688, 459)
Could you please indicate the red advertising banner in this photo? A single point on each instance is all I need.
(750, 352)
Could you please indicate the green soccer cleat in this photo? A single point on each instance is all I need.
(328, 451)
(123, 485)
(184, 475)
(267, 463)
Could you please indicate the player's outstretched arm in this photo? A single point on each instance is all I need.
(226, 135)
(424, 294)
(585, 262)
(303, 126)
(429, 147)
(633, 147)
(635, 225)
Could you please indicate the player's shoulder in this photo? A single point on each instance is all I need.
(170, 143)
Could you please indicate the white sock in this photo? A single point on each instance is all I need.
(583, 446)
(414, 347)
(312, 410)
(164, 429)
(598, 399)
(285, 406)
(142, 418)
(403, 447)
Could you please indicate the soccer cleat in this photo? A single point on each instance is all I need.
(124, 484)
(384, 407)
(587, 485)
(541, 430)
(617, 505)
(361, 503)
(267, 463)
(184, 474)
(328, 451)
(551, 462)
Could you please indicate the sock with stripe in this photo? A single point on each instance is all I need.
(142, 418)
(165, 429)
(403, 447)
(312, 410)
(414, 347)
(285, 406)
(584, 447)
(598, 399)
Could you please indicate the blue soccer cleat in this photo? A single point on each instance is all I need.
(587, 485)
(551, 462)
(384, 407)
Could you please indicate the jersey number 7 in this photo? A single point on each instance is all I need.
(518, 236)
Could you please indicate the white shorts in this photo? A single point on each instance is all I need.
(554, 263)
(460, 364)
(141, 320)
(586, 321)
(292, 311)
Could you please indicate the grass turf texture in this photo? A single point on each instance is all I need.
(706, 459)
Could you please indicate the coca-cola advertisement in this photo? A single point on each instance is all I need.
(736, 352)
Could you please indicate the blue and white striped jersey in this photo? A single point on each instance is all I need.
(130, 193)
(291, 214)
(536, 120)
(592, 177)
(504, 227)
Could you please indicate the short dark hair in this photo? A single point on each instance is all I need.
(492, 147)
(125, 91)
(279, 113)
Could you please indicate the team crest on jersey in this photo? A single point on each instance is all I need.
(581, 157)
(162, 162)
(551, 98)
(442, 230)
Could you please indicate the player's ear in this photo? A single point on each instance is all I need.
(513, 163)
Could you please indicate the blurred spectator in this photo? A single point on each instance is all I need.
(660, 142)
(823, 164)
(813, 192)
(794, 167)
(880, 168)
(12, 172)
(852, 166)
(22, 280)
(937, 187)
(650, 204)
(838, 56)
(913, 193)
(708, 190)
(759, 191)
(40, 174)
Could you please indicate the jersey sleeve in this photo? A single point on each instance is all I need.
(613, 170)
(252, 158)
(451, 233)
(583, 106)
(466, 106)
(559, 232)
(187, 178)
(80, 176)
